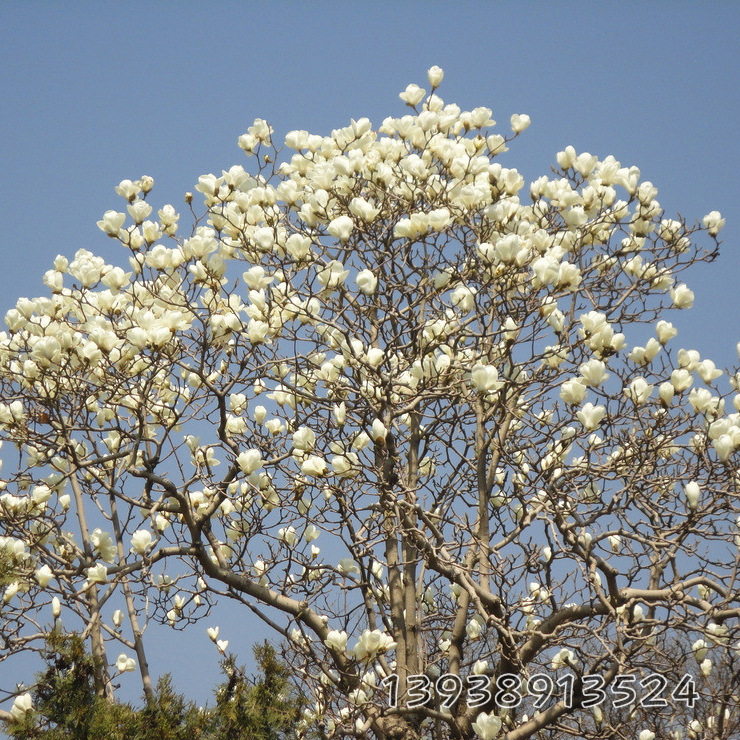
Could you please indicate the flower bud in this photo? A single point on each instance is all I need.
(435, 75)
(692, 493)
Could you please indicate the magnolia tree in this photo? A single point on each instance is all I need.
(429, 424)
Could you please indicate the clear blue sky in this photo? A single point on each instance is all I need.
(95, 92)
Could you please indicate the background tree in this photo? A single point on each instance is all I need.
(421, 421)
(66, 705)
(267, 706)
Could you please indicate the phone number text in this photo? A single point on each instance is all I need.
(509, 690)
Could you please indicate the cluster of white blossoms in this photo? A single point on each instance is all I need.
(382, 334)
(370, 644)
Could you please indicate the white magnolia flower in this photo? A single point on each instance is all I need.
(435, 75)
(258, 332)
(363, 439)
(104, 545)
(363, 209)
(692, 493)
(700, 649)
(128, 189)
(124, 663)
(713, 222)
(519, 122)
(724, 446)
(665, 331)
(681, 380)
(717, 633)
(296, 139)
(593, 372)
(463, 298)
(375, 356)
(139, 210)
(304, 438)
(274, 426)
(590, 416)
(341, 228)
(546, 270)
(639, 390)
(573, 391)
(314, 465)
(336, 640)
(689, 359)
(298, 247)
(97, 574)
(412, 95)
(21, 705)
(10, 591)
(562, 658)
(366, 282)
(439, 218)
(487, 726)
(249, 461)
(682, 296)
(332, 275)
(345, 466)
(484, 377)
(288, 535)
(348, 566)
(260, 568)
(371, 644)
(378, 431)
(443, 277)
(708, 371)
(340, 413)
(474, 629)
(703, 402)
(43, 575)
(112, 222)
(141, 540)
(666, 391)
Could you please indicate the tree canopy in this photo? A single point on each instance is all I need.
(430, 424)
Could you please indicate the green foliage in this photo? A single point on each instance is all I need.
(67, 706)
(66, 701)
(267, 708)
(169, 716)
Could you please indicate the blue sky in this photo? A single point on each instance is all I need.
(93, 93)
